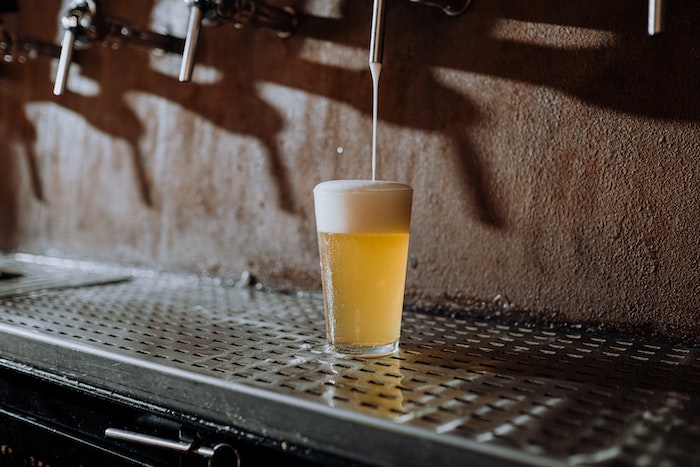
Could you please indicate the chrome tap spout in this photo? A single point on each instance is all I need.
(193, 26)
(657, 17)
(78, 23)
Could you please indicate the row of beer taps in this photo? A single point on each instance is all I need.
(83, 24)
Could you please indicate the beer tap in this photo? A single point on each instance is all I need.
(449, 7)
(239, 12)
(79, 24)
(199, 9)
(84, 24)
(657, 17)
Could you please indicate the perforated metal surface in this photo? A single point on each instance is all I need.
(25, 273)
(541, 396)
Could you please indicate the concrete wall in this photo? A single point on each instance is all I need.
(553, 148)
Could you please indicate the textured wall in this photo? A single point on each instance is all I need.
(553, 148)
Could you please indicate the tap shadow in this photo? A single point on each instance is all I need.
(128, 127)
(22, 131)
(249, 114)
(626, 71)
(410, 95)
(34, 88)
(110, 113)
(8, 193)
(620, 68)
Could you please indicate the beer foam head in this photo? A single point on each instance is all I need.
(363, 206)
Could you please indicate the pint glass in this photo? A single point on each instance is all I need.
(363, 231)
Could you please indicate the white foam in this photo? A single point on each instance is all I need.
(363, 206)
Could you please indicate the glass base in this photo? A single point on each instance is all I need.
(353, 351)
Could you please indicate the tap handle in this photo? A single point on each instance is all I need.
(77, 23)
(64, 62)
(195, 23)
(657, 17)
(376, 42)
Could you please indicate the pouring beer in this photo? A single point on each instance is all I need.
(363, 235)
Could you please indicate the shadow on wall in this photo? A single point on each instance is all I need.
(8, 195)
(630, 73)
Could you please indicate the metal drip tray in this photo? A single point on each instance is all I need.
(23, 273)
(460, 391)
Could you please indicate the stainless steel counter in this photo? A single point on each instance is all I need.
(460, 392)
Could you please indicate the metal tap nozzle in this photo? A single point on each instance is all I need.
(193, 26)
(199, 9)
(449, 7)
(657, 17)
(77, 22)
(376, 41)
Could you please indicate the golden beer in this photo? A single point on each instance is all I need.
(363, 236)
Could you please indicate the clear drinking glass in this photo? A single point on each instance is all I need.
(363, 232)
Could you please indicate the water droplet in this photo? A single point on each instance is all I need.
(502, 301)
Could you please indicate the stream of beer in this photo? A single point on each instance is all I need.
(375, 68)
